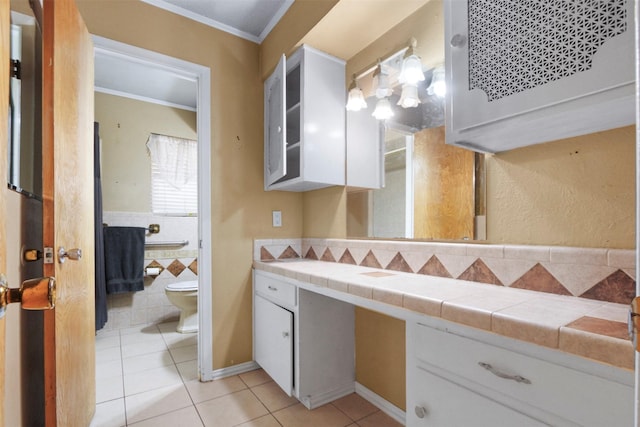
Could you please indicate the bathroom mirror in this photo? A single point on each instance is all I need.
(432, 191)
(25, 104)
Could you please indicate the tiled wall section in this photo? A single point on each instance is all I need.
(176, 265)
(601, 274)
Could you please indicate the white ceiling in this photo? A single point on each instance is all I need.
(249, 19)
(120, 75)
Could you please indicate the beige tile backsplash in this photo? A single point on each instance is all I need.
(591, 273)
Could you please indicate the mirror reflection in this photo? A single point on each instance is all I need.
(431, 191)
(25, 106)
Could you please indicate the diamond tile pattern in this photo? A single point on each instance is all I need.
(176, 267)
(519, 45)
(618, 286)
(539, 279)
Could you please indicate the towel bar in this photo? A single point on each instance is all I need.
(166, 244)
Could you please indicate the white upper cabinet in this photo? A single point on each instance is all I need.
(304, 135)
(525, 73)
(365, 150)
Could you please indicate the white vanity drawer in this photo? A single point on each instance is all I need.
(585, 399)
(275, 290)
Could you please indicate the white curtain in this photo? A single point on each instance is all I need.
(174, 174)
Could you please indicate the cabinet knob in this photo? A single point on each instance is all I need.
(279, 129)
(421, 411)
(285, 334)
(458, 40)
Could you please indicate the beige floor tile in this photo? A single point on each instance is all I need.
(266, 421)
(188, 370)
(202, 391)
(186, 417)
(107, 355)
(272, 396)
(300, 416)
(139, 338)
(379, 419)
(355, 406)
(231, 410)
(144, 362)
(107, 341)
(183, 354)
(256, 377)
(109, 369)
(140, 348)
(156, 402)
(176, 339)
(109, 414)
(167, 326)
(150, 379)
(109, 388)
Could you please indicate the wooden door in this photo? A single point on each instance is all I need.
(444, 204)
(68, 213)
(4, 112)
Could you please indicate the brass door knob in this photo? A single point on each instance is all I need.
(33, 294)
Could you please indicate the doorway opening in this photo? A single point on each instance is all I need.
(142, 76)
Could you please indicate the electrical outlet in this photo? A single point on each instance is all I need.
(277, 218)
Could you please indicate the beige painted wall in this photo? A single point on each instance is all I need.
(241, 209)
(573, 192)
(125, 125)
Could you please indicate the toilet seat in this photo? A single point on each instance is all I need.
(191, 285)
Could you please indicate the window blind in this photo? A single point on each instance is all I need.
(174, 175)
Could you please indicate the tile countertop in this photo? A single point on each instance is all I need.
(589, 328)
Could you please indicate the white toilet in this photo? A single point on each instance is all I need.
(184, 295)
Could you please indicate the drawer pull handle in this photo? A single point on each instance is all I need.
(272, 288)
(494, 371)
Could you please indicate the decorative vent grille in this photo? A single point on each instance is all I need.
(516, 45)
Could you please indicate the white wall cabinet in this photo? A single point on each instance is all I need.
(303, 340)
(518, 76)
(365, 149)
(453, 380)
(304, 120)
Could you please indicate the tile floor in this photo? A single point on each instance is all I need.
(148, 377)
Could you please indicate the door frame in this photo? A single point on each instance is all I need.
(202, 76)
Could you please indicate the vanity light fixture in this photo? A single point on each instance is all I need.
(438, 85)
(355, 101)
(411, 72)
(381, 82)
(383, 109)
(409, 97)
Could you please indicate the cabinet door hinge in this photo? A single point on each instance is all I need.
(15, 69)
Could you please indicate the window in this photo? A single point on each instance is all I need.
(174, 175)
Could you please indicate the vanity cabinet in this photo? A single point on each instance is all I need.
(303, 340)
(304, 122)
(455, 380)
(518, 76)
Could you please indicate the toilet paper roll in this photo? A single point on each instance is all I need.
(152, 271)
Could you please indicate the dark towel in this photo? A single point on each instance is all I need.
(124, 259)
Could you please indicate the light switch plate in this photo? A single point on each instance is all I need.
(277, 218)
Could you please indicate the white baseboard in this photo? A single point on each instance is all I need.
(232, 370)
(317, 400)
(384, 405)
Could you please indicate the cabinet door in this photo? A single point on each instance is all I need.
(434, 401)
(523, 75)
(275, 133)
(365, 150)
(273, 332)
